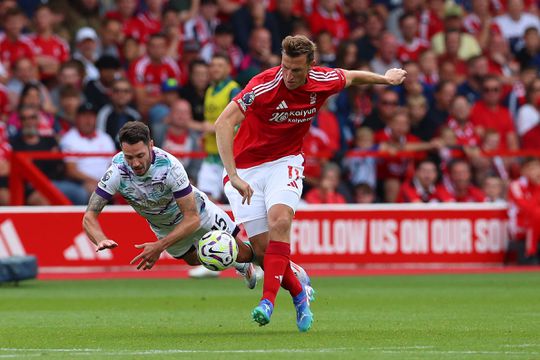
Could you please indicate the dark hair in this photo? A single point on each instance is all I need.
(133, 132)
(529, 160)
(74, 64)
(424, 161)
(158, 35)
(11, 12)
(364, 188)
(25, 90)
(196, 62)
(452, 164)
(106, 62)
(299, 45)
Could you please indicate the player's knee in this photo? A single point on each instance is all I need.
(280, 224)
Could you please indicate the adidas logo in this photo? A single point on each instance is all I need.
(10, 242)
(293, 184)
(282, 105)
(82, 249)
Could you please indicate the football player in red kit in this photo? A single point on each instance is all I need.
(264, 164)
(524, 206)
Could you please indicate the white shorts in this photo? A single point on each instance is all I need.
(212, 218)
(275, 182)
(210, 179)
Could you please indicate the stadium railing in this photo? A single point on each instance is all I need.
(23, 169)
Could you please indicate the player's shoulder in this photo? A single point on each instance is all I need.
(316, 72)
(118, 159)
(267, 76)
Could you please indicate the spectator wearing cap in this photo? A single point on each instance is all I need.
(148, 73)
(85, 138)
(117, 112)
(13, 44)
(87, 52)
(98, 91)
(158, 113)
(201, 28)
(51, 50)
(223, 43)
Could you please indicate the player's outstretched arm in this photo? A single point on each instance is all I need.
(358, 77)
(91, 224)
(188, 225)
(225, 124)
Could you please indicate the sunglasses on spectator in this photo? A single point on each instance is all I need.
(29, 117)
(492, 89)
(121, 90)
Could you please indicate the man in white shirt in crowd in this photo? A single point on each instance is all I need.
(85, 138)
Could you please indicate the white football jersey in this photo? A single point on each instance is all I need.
(153, 195)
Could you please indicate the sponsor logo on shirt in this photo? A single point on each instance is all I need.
(294, 116)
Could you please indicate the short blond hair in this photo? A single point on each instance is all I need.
(298, 45)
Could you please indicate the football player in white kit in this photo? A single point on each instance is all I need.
(156, 185)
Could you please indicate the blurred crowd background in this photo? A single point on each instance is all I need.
(73, 72)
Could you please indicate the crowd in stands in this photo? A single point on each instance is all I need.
(73, 72)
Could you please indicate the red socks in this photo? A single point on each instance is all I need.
(277, 271)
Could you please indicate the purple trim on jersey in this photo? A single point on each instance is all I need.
(103, 193)
(153, 156)
(235, 231)
(183, 192)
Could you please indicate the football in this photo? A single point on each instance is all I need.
(217, 250)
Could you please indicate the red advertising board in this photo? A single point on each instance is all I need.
(433, 233)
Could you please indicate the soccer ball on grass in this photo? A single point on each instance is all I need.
(217, 250)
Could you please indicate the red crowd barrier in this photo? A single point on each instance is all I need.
(23, 169)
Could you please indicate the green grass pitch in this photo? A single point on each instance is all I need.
(487, 316)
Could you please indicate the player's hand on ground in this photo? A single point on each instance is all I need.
(149, 256)
(243, 188)
(395, 76)
(106, 244)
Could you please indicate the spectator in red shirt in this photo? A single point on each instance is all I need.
(458, 187)
(326, 192)
(150, 71)
(501, 60)
(459, 122)
(429, 69)
(524, 208)
(528, 117)
(14, 45)
(50, 49)
(489, 114)
(147, 23)
(201, 27)
(125, 10)
(396, 137)
(327, 16)
(452, 41)
(493, 187)
(412, 46)
(422, 187)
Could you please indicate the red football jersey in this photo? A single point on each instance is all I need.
(145, 73)
(276, 118)
(11, 51)
(53, 46)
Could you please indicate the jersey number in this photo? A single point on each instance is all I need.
(220, 224)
